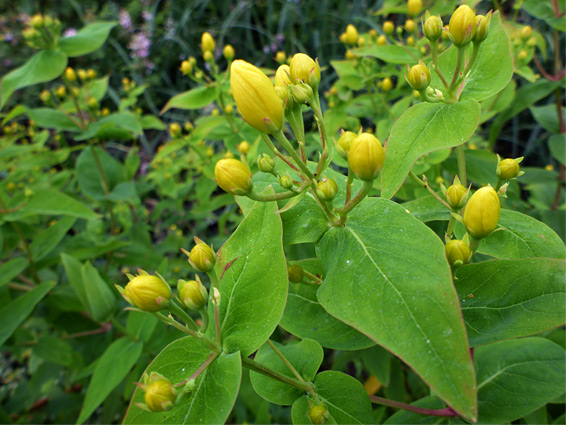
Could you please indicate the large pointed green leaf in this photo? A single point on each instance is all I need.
(40, 68)
(517, 377)
(87, 40)
(213, 397)
(390, 53)
(47, 240)
(253, 288)
(193, 99)
(504, 299)
(387, 276)
(422, 129)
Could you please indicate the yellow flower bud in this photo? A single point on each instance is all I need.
(160, 396)
(208, 56)
(388, 27)
(462, 26)
(343, 38)
(387, 85)
(410, 25)
(301, 93)
(105, 112)
(257, 100)
(45, 96)
(229, 110)
(233, 176)
(350, 55)
(457, 252)
(318, 415)
(202, 257)
(346, 139)
(193, 294)
(286, 182)
(37, 21)
(432, 28)
(522, 55)
(381, 40)
(92, 102)
(296, 273)
(83, 75)
(303, 68)
(457, 195)
(280, 57)
(508, 168)
(244, 147)
(351, 34)
(366, 156)
(70, 74)
(61, 91)
(175, 130)
(207, 42)
(147, 292)
(91, 74)
(482, 212)
(410, 41)
(186, 67)
(265, 163)
(326, 189)
(361, 42)
(282, 76)
(372, 34)
(419, 76)
(526, 32)
(415, 7)
(228, 52)
(482, 27)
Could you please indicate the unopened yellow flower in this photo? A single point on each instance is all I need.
(160, 396)
(366, 156)
(193, 294)
(419, 76)
(351, 34)
(457, 252)
(207, 42)
(415, 7)
(233, 176)
(462, 26)
(482, 212)
(304, 69)
(229, 52)
(147, 292)
(256, 98)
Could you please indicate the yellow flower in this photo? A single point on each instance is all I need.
(388, 27)
(207, 42)
(457, 252)
(456, 195)
(160, 396)
(304, 69)
(229, 52)
(256, 98)
(366, 156)
(147, 292)
(508, 168)
(432, 28)
(233, 176)
(202, 257)
(351, 34)
(462, 25)
(193, 294)
(419, 76)
(415, 7)
(482, 212)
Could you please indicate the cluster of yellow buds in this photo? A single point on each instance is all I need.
(188, 66)
(523, 43)
(465, 27)
(350, 36)
(42, 32)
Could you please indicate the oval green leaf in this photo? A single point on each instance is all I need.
(192, 99)
(87, 40)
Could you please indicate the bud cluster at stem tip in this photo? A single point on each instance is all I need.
(462, 26)
(482, 212)
(366, 156)
(192, 293)
(202, 256)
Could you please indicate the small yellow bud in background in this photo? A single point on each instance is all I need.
(37, 21)
(207, 42)
(361, 42)
(482, 212)
(343, 38)
(346, 139)
(280, 57)
(372, 385)
(45, 96)
(256, 98)
(92, 103)
(387, 85)
(105, 112)
(83, 75)
(229, 110)
(208, 56)
(282, 76)
(388, 27)
(509, 168)
(91, 74)
(215, 112)
(526, 32)
(175, 130)
(457, 195)
(415, 7)
(193, 294)
(318, 415)
(410, 41)
(244, 147)
(202, 257)
(296, 273)
(372, 34)
(61, 91)
(350, 55)
(304, 69)
(419, 76)
(160, 396)
(186, 67)
(381, 40)
(366, 156)
(432, 28)
(549, 167)
(228, 52)
(70, 74)
(462, 26)
(233, 176)
(457, 252)
(301, 93)
(522, 55)
(147, 292)
(265, 163)
(410, 25)
(326, 189)
(286, 182)
(482, 27)
(351, 34)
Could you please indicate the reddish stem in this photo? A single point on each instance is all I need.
(447, 411)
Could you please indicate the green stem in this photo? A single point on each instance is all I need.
(424, 184)
(450, 228)
(280, 137)
(287, 362)
(422, 411)
(206, 340)
(434, 51)
(499, 183)
(264, 370)
(182, 314)
(474, 244)
(459, 61)
(278, 196)
(271, 146)
(349, 185)
(475, 52)
(214, 285)
(349, 206)
(204, 318)
(461, 157)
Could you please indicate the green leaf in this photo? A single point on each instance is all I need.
(193, 99)
(42, 67)
(547, 117)
(90, 179)
(343, 396)
(73, 269)
(141, 324)
(517, 377)
(305, 356)
(402, 55)
(427, 208)
(252, 305)
(215, 392)
(13, 314)
(47, 240)
(121, 125)
(151, 122)
(52, 118)
(505, 299)
(377, 360)
(387, 276)
(544, 12)
(101, 300)
(557, 145)
(87, 40)
(348, 75)
(52, 202)
(54, 350)
(485, 79)
(11, 269)
(522, 236)
(110, 370)
(422, 129)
